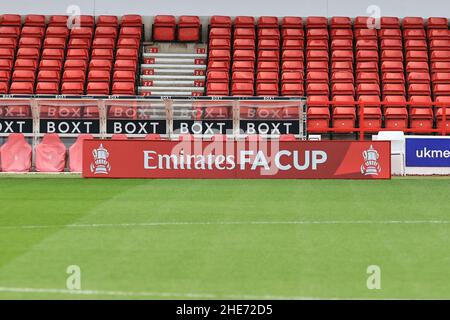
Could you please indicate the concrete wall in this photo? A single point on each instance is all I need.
(350, 8)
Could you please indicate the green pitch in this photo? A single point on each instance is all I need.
(213, 239)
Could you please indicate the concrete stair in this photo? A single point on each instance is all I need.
(173, 69)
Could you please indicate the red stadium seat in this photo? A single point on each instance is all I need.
(57, 32)
(97, 64)
(35, 20)
(123, 88)
(106, 54)
(437, 23)
(32, 32)
(15, 154)
(47, 88)
(244, 22)
(58, 20)
(21, 88)
(14, 20)
(79, 43)
(53, 54)
(50, 154)
(102, 32)
(189, 28)
(54, 43)
(164, 28)
(128, 43)
(76, 153)
(123, 54)
(125, 65)
(130, 32)
(97, 88)
(79, 65)
(217, 89)
(25, 64)
(48, 76)
(75, 88)
(220, 22)
(28, 53)
(107, 21)
(131, 20)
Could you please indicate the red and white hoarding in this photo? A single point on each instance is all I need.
(237, 159)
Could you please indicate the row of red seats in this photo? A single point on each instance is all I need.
(165, 28)
(245, 61)
(317, 45)
(63, 64)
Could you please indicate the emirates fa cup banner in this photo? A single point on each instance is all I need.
(237, 159)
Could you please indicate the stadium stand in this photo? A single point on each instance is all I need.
(396, 77)
(49, 58)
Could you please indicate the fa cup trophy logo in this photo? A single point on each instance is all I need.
(100, 164)
(370, 165)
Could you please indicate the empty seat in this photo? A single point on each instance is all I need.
(47, 88)
(25, 64)
(437, 23)
(97, 75)
(97, 88)
(32, 32)
(15, 154)
(98, 64)
(106, 32)
(244, 22)
(107, 21)
(74, 75)
(220, 21)
(21, 88)
(128, 43)
(48, 76)
(14, 20)
(121, 53)
(79, 43)
(58, 20)
(123, 88)
(79, 65)
(53, 54)
(54, 43)
(130, 32)
(131, 20)
(28, 53)
(57, 32)
(106, 54)
(126, 65)
(217, 89)
(316, 22)
(164, 28)
(50, 154)
(242, 89)
(75, 88)
(267, 89)
(189, 28)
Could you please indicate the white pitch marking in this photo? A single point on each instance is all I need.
(153, 294)
(218, 223)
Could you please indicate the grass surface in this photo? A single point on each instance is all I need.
(156, 239)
